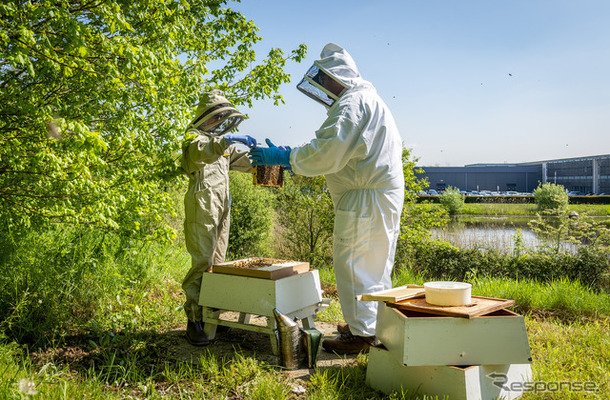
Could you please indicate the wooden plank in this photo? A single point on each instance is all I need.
(479, 306)
(278, 269)
(394, 295)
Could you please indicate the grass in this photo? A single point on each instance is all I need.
(569, 300)
(566, 346)
(516, 210)
(498, 209)
(118, 346)
(601, 210)
(568, 329)
(578, 351)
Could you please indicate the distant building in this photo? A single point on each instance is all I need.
(582, 174)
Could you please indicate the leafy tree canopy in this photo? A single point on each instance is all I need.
(95, 95)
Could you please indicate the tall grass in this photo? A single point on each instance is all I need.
(561, 297)
(55, 281)
(499, 209)
(207, 377)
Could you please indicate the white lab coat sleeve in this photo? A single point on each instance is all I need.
(338, 141)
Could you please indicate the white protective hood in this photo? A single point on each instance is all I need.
(337, 62)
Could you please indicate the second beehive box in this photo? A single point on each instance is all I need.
(418, 339)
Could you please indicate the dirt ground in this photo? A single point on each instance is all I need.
(230, 341)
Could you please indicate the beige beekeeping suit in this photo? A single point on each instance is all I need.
(207, 160)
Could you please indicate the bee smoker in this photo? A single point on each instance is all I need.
(289, 338)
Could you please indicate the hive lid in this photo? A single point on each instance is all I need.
(258, 267)
(479, 306)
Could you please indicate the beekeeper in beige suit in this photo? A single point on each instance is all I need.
(207, 159)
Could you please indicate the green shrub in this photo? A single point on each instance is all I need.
(550, 196)
(452, 200)
(305, 220)
(416, 218)
(416, 221)
(252, 216)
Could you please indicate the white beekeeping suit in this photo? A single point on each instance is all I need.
(359, 150)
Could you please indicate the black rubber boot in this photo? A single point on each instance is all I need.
(195, 335)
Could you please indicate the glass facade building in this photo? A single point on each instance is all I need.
(583, 175)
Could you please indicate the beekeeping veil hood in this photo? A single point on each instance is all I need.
(336, 64)
(215, 114)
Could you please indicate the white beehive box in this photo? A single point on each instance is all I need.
(417, 339)
(479, 382)
(260, 296)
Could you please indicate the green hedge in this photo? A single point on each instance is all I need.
(443, 261)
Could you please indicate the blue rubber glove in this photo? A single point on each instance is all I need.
(286, 167)
(245, 139)
(271, 155)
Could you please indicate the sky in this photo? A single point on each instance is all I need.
(468, 81)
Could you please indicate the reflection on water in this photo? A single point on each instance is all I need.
(495, 233)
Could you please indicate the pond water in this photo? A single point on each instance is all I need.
(497, 233)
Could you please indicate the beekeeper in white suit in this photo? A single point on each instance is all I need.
(207, 157)
(359, 150)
